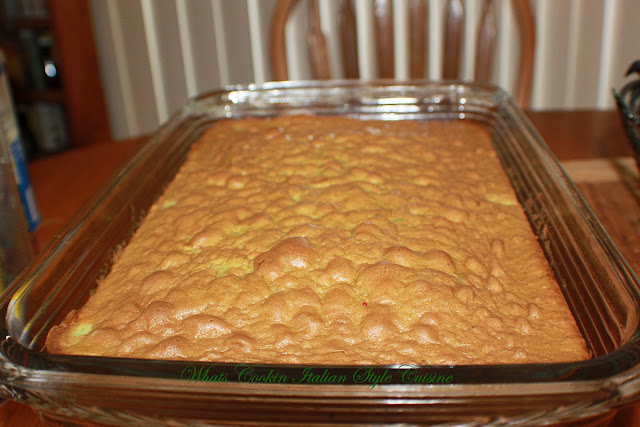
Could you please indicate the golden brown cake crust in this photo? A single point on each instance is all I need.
(327, 240)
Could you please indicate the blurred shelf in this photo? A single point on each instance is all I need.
(35, 23)
(55, 33)
(33, 95)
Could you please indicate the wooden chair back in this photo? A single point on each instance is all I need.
(418, 10)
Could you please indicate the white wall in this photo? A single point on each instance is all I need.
(157, 53)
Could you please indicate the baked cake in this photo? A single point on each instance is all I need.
(328, 240)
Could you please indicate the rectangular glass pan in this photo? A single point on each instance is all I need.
(599, 286)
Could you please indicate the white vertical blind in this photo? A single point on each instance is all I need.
(606, 54)
(401, 39)
(471, 9)
(296, 42)
(587, 54)
(331, 29)
(150, 30)
(436, 18)
(257, 33)
(186, 47)
(573, 42)
(366, 52)
(120, 90)
(156, 53)
(540, 58)
(221, 42)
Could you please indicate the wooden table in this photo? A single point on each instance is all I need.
(590, 144)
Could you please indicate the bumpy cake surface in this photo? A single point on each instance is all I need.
(327, 240)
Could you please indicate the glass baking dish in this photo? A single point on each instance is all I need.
(597, 282)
